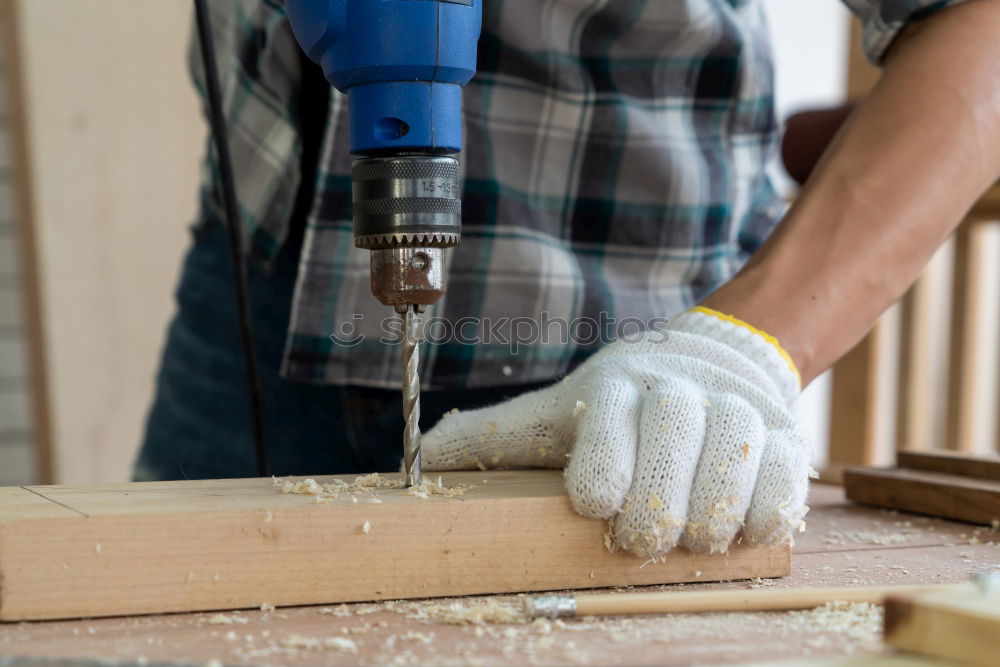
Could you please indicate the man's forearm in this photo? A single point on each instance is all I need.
(895, 182)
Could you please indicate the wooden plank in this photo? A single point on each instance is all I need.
(203, 545)
(19, 503)
(934, 554)
(952, 464)
(934, 493)
(960, 626)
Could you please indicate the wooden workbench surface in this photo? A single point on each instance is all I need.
(844, 545)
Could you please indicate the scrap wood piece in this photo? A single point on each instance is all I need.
(980, 467)
(155, 547)
(944, 485)
(955, 625)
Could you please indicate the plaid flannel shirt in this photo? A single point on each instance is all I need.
(614, 171)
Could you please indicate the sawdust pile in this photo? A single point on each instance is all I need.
(478, 612)
(371, 484)
(428, 488)
(336, 487)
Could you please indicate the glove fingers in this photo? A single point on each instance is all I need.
(726, 474)
(520, 433)
(779, 499)
(672, 431)
(600, 468)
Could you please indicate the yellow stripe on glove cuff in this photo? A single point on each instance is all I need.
(751, 328)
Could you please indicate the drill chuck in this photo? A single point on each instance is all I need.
(407, 209)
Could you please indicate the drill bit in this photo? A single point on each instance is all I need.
(411, 396)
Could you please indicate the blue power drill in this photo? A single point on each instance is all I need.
(402, 64)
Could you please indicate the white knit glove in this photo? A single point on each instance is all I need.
(685, 436)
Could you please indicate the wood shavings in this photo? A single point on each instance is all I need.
(758, 582)
(334, 488)
(339, 610)
(858, 622)
(429, 487)
(654, 502)
(479, 612)
(97, 548)
(865, 537)
(609, 542)
(339, 644)
(224, 619)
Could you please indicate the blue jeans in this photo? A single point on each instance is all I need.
(199, 423)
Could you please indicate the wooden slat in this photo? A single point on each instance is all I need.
(862, 400)
(961, 626)
(202, 545)
(937, 494)
(952, 464)
(988, 206)
(915, 416)
(968, 404)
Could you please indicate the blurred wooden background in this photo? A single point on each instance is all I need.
(105, 137)
(926, 376)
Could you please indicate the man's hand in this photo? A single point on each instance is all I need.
(685, 436)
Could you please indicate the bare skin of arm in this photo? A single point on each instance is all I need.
(897, 179)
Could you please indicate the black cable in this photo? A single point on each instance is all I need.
(234, 227)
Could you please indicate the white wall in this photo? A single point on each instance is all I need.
(810, 47)
(114, 138)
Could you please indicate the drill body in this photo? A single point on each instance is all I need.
(402, 64)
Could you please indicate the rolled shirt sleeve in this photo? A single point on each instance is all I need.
(883, 19)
